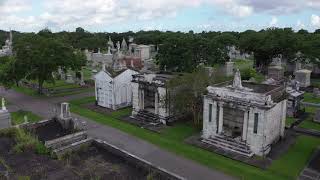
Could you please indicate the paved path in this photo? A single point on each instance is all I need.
(159, 157)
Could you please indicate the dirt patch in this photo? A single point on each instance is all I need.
(93, 162)
(93, 107)
(97, 163)
(50, 131)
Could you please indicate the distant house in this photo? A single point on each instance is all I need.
(113, 89)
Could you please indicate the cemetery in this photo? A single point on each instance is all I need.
(76, 155)
(243, 104)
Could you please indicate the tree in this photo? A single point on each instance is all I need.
(40, 56)
(187, 92)
(10, 71)
(268, 44)
(183, 53)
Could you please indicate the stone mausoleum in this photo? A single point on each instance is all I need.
(244, 118)
(151, 98)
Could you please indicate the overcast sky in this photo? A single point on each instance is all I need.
(175, 15)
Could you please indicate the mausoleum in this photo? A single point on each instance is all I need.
(151, 98)
(113, 89)
(245, 118)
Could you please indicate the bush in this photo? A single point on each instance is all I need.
(248, 73)
(24, 141)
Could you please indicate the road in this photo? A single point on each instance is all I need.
(183, 167)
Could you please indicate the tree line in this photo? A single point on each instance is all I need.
(184, 51)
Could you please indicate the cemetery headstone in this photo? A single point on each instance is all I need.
(317, 116)
(303, 77)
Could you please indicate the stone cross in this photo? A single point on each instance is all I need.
(237, 80)
(4, 105)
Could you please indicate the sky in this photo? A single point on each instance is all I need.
(173, 15)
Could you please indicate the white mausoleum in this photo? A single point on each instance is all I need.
(113, 90)
(244, 118)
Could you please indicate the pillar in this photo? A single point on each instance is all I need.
(156, 103)
(245, 125)
(220, 127)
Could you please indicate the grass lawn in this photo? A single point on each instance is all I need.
(290, 120)
(26, 91)
(31, 92)
(315, 82)
(287, 167)
(308, 123)
(18, 117)
(309, 97)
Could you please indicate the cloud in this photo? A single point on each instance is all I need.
(14, 6)
(69, 14)
(300, 24)
(273, 22)
(315, 20)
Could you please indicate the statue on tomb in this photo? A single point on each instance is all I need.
(124, 46)
(109, 50)
(118, 46)
(237, 84)
(25, 118)
(110, 43)
(3, 104)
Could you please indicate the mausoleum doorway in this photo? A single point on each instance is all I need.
(232, 122)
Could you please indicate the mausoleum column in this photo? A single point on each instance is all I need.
(156, 103)
(220, 127)
(142, 99)
(245, 125)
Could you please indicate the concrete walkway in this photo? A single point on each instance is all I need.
(173, 163)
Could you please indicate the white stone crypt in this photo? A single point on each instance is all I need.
(244, 118)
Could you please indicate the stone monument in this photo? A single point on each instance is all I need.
(316, 117)
(303, 77)
(69, 79)
(275, 70)
(5, 118)
(65, 111)
(229, 68)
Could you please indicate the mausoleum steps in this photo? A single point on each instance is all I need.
(229, 144)
(4, 115)
(147, 116)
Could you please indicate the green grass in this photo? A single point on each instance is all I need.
(26, 91)
(290, 120)
(291, 163)
(309, 97)
(309, 124)
(18, 117)
(315, 83)
(287, 167)
(121, 112)
(34, 93)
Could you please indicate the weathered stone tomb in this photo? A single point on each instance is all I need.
(244, 118)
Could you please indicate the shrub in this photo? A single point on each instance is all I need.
(247, 73)
(24, 141)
